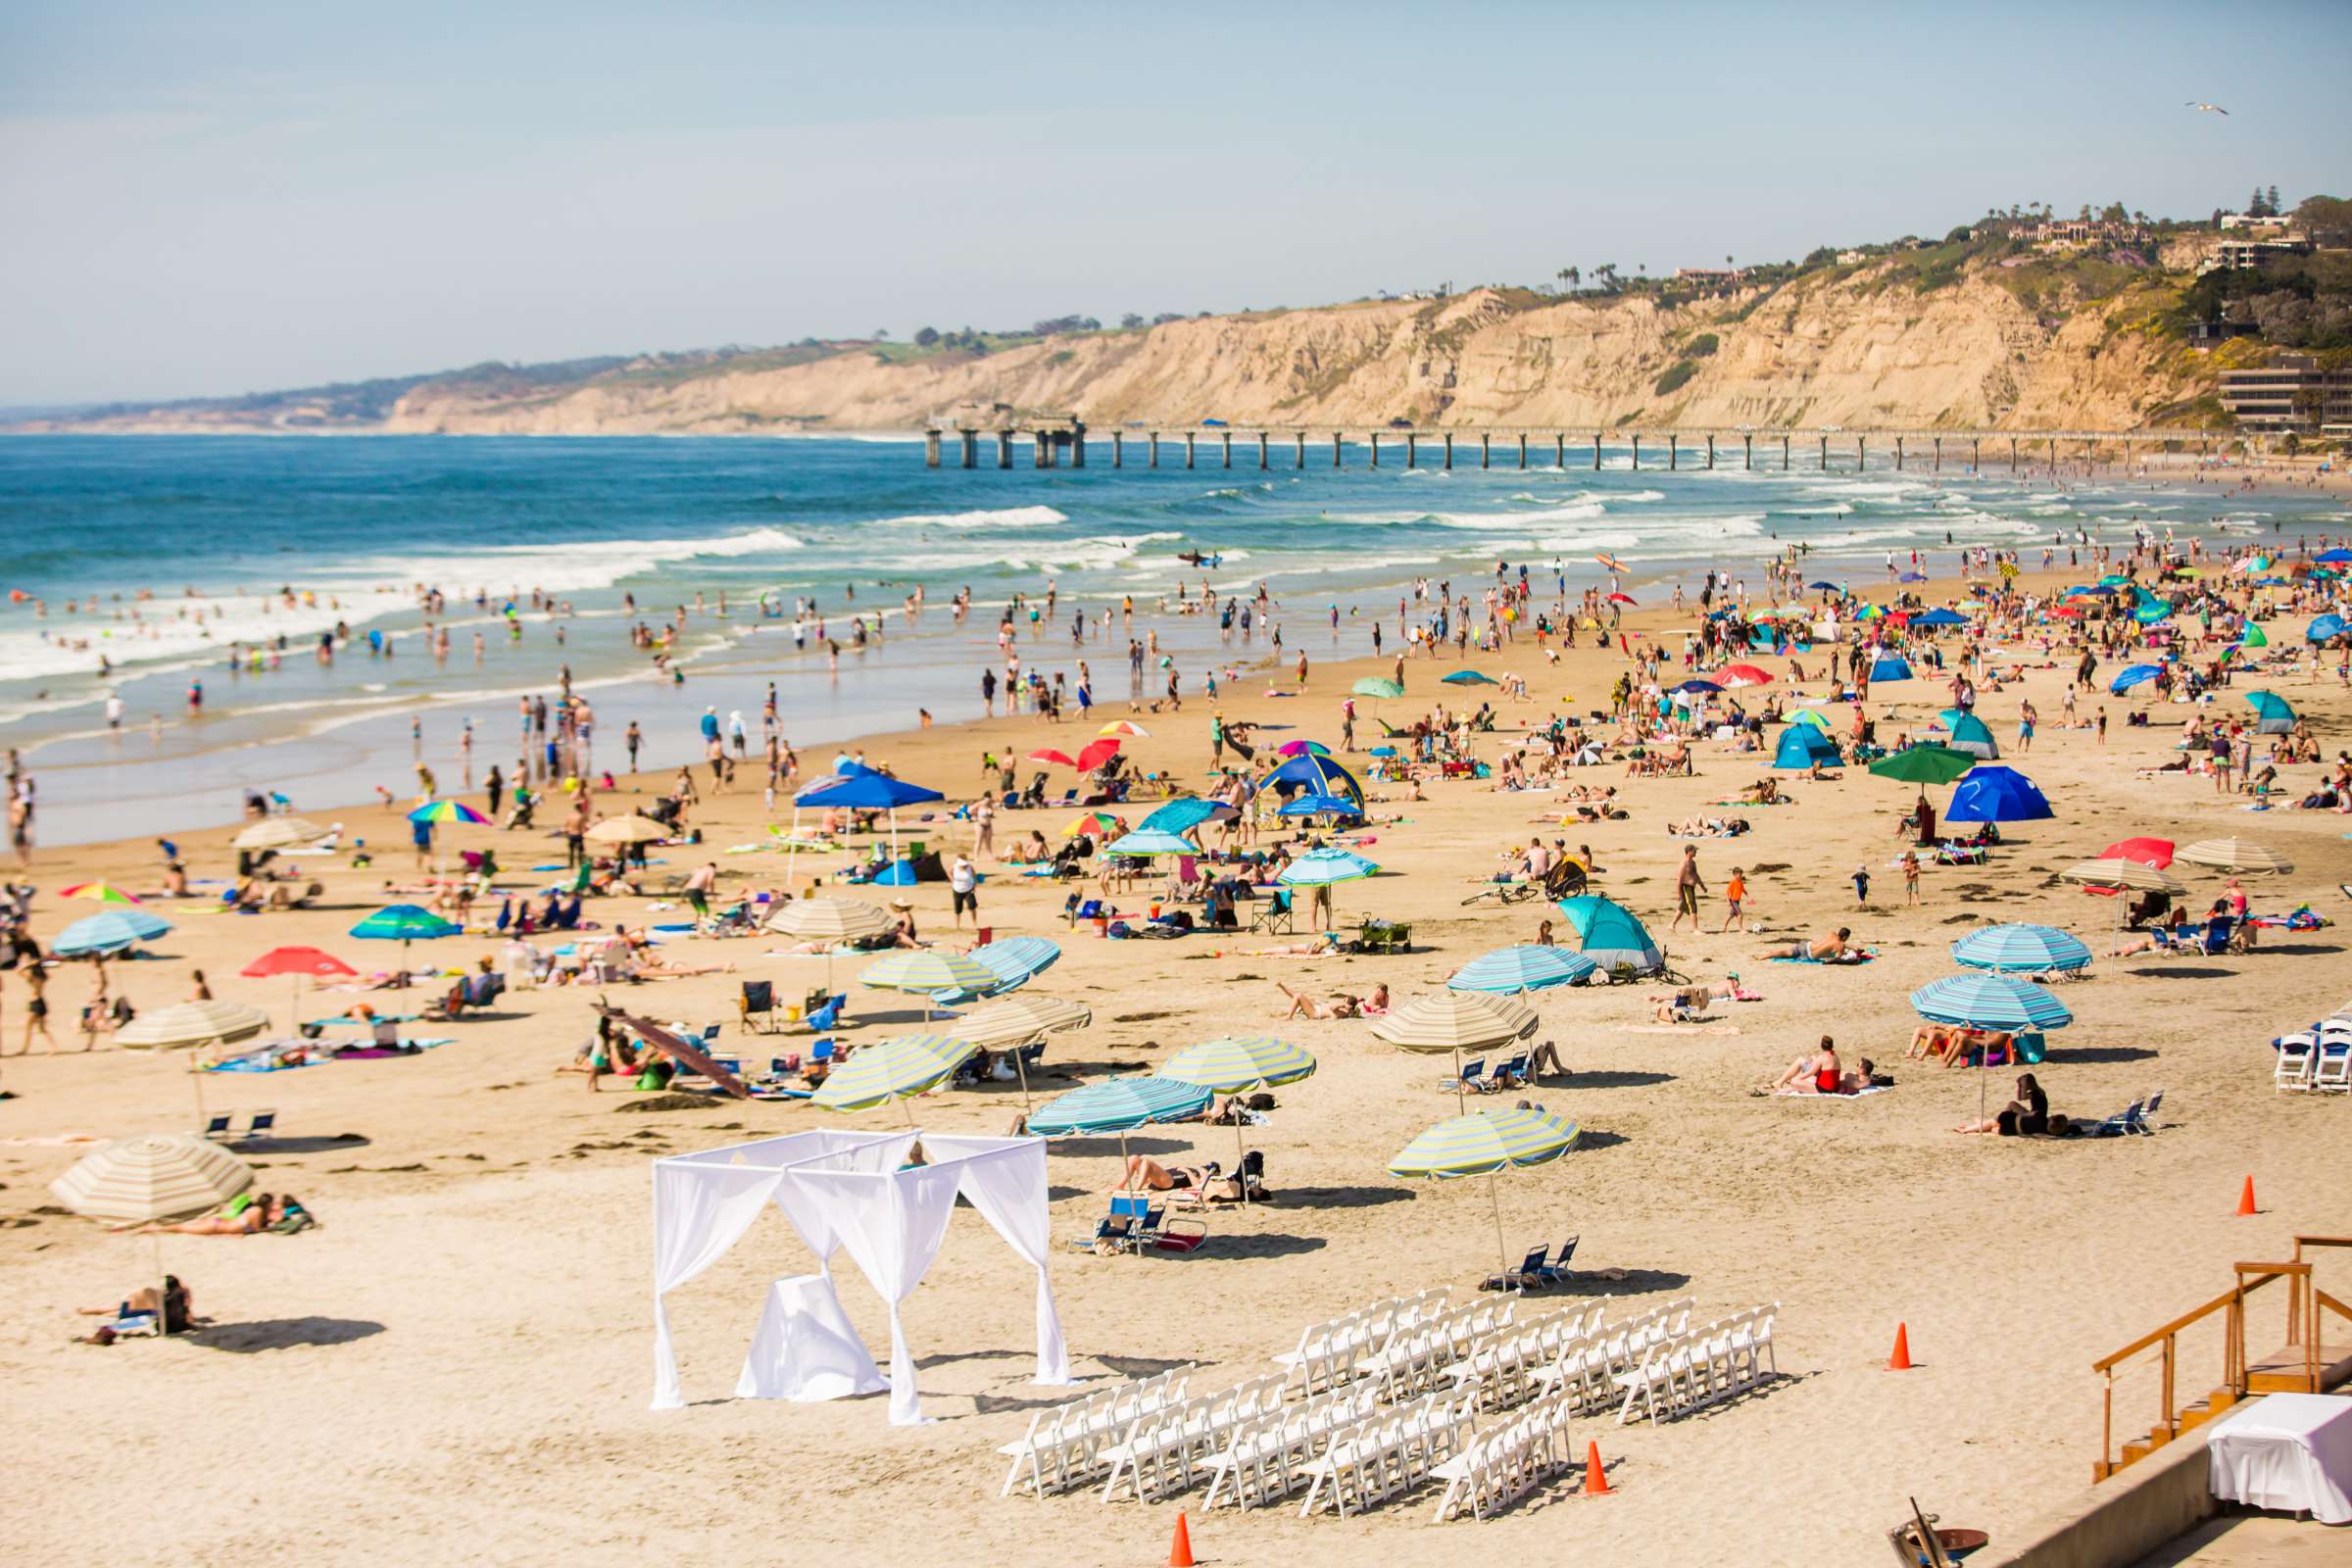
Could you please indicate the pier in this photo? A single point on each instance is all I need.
(1058, 441)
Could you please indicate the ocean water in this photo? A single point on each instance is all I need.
(134, 564)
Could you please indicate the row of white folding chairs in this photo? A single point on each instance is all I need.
(1327, 1351)
(2318, 1058)
(1506, 1362)
(1064, 1445)
(1501, 1466)
(1586, 1369)
(1415, 1358)
(1268, 1457)
(1163, 1451)
(1390, 1452)
(1724, 1359)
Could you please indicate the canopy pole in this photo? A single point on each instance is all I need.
(1502, 1251)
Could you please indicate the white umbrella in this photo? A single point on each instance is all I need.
(278, 833)
(156, 1177)
(192, 1024)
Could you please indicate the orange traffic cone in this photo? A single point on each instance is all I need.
(1596, 1480)
(2245, 1198)
(1179, 1550)
(1900, 1361)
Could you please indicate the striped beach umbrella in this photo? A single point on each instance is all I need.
(1119, 1105)
(823, 919)
(892, 1070)
(1022, 1018)
(155, 1177)
(447, 812)
(1522, 969)
(1016, 961)
(109, 931)
(1486, 1143)
(1323, 867)
(2117, 871)
(278, 833)
(1989, 1002)
(191, 1023)
(98, 893)
(2022, 949)
(1240, 1062)
(936, 975)
(1147, 841)
(1125, 729)
(1184, 816)
(2236, 855)
(1440, 1021)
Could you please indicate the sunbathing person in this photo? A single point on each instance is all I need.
(1216, 1188)
(651, 965)
(250, 1220)
(1545, 1058)
(176, 1301)
(1669, 1007)
(2026, 1115)
(1146, 1174)
(1341, 1005)
(1820, 1070)
(1376, 1006)
(1824, 950)
(1931, 1041)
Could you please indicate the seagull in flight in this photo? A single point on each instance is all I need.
(2208, 109)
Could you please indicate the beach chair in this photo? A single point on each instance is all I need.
(759, 1001)
(2331, 1071)
(1278, 915)
(2292, 1069)
(1512, 1074)
(1473, 1078)
(1032, 1055)
(261, 1129)
(1529, 1275)
(2123, 1122)
(218, 1126)
(1118, 1228)
(1158, 1230)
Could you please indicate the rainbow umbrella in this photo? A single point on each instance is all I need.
(447, 812)
(1125, 729)
(99, 893)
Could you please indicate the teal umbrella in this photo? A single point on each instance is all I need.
(1376, 687)
(1120, 1106)
(1322, 868)
(405, 923)
(1468, 677)
(108, 931)
(1153, 841)
(1522, 969)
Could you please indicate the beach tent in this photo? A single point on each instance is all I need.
(1316, 774)
(2271, 714)
(1998, 795)
(866, 791)
(1969, 734)
(855, 1191)
(1939, 618)
(1608, 934)
(1889, 666)
(1801, 745)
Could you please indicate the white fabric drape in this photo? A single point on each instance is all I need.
(1008, 1186)
(891, 1227)
(699, 1212)
(805, 1348)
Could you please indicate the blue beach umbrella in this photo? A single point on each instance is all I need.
(1698, 688)
(404, 923)
(1182, 817)
(1998, 795)
(867, 791)
(2134, 675)
(1152, 841)
(1016, 961)
(1989, 1002)
(1320, 868)
(1468, 677)
(2324, 628)
(1119, 1105)
(1322, 806)
(1511, 970)
(108, 931)
(2025, 949)
(2334, 558)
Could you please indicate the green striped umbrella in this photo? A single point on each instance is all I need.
(934, 974)
(898, 1068)
(1119, 1105)
(1236, 1062)
(1486, 1143)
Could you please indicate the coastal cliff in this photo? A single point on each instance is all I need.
(1894, 341)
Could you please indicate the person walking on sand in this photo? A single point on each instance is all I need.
(1688, 886)
(1911, 879)
(963, 883)
(1734, 898)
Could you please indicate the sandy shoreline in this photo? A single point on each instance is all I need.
(458, 1360)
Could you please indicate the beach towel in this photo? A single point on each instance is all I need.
(1679, 1028)
(1863, 956)
(1792, 1094)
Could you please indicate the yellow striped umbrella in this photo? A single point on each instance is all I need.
(890, 1069)
(1236, 1062)
(1487, 1143)
(1455, 1020)
(936, 975)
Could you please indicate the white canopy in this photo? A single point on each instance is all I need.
(843, 1189)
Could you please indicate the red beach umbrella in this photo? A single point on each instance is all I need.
(1746, 675)
(2157, 852)
(295, 962)
(1096, 753)
(1057, 758)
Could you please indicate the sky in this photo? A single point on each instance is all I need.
(216, 199)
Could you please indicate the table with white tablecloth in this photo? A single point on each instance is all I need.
(2287, 1450)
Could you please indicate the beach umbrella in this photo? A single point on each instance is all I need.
(867, 791)
(2334, 558)
(1486, 1143)
(2134, 675)
(1745, 676)
(1998, 795)
(1989, 1002)
(1376, 687)
(294, 963)
(2324, 628)
(1811, 716)
(1302, 747)
(1018, 1020)
(1801, 745)
(1825, 587)
(108, 931)
(1939, 616)
(1095, 824)
(687, 1053)
(1966, 732)
(630, 829)
(1184, 816)
(1698, 688)
(1456, 1021)
(2025, 949)
(2236, 855)
(2118, 873)
(1232, 1064)
(1146, 840)
(1119, 1105)
(1468, 677)
(1528, 967)
(1126, 728)
(2272, 715)
(447, 812)
(1057, 758)
(278, 833)
(2157, 852)
(157, 1176)
(404, 923)
(1094, 754)
(827, 920)
(99, 893)
(894, 1069)
(933, 974)
(192, 1024)
(1382, 750)
(1324, 868)
(1924, 764)
(1623, 599)
(1016, 961)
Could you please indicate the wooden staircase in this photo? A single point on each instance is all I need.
(2308, 1363)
